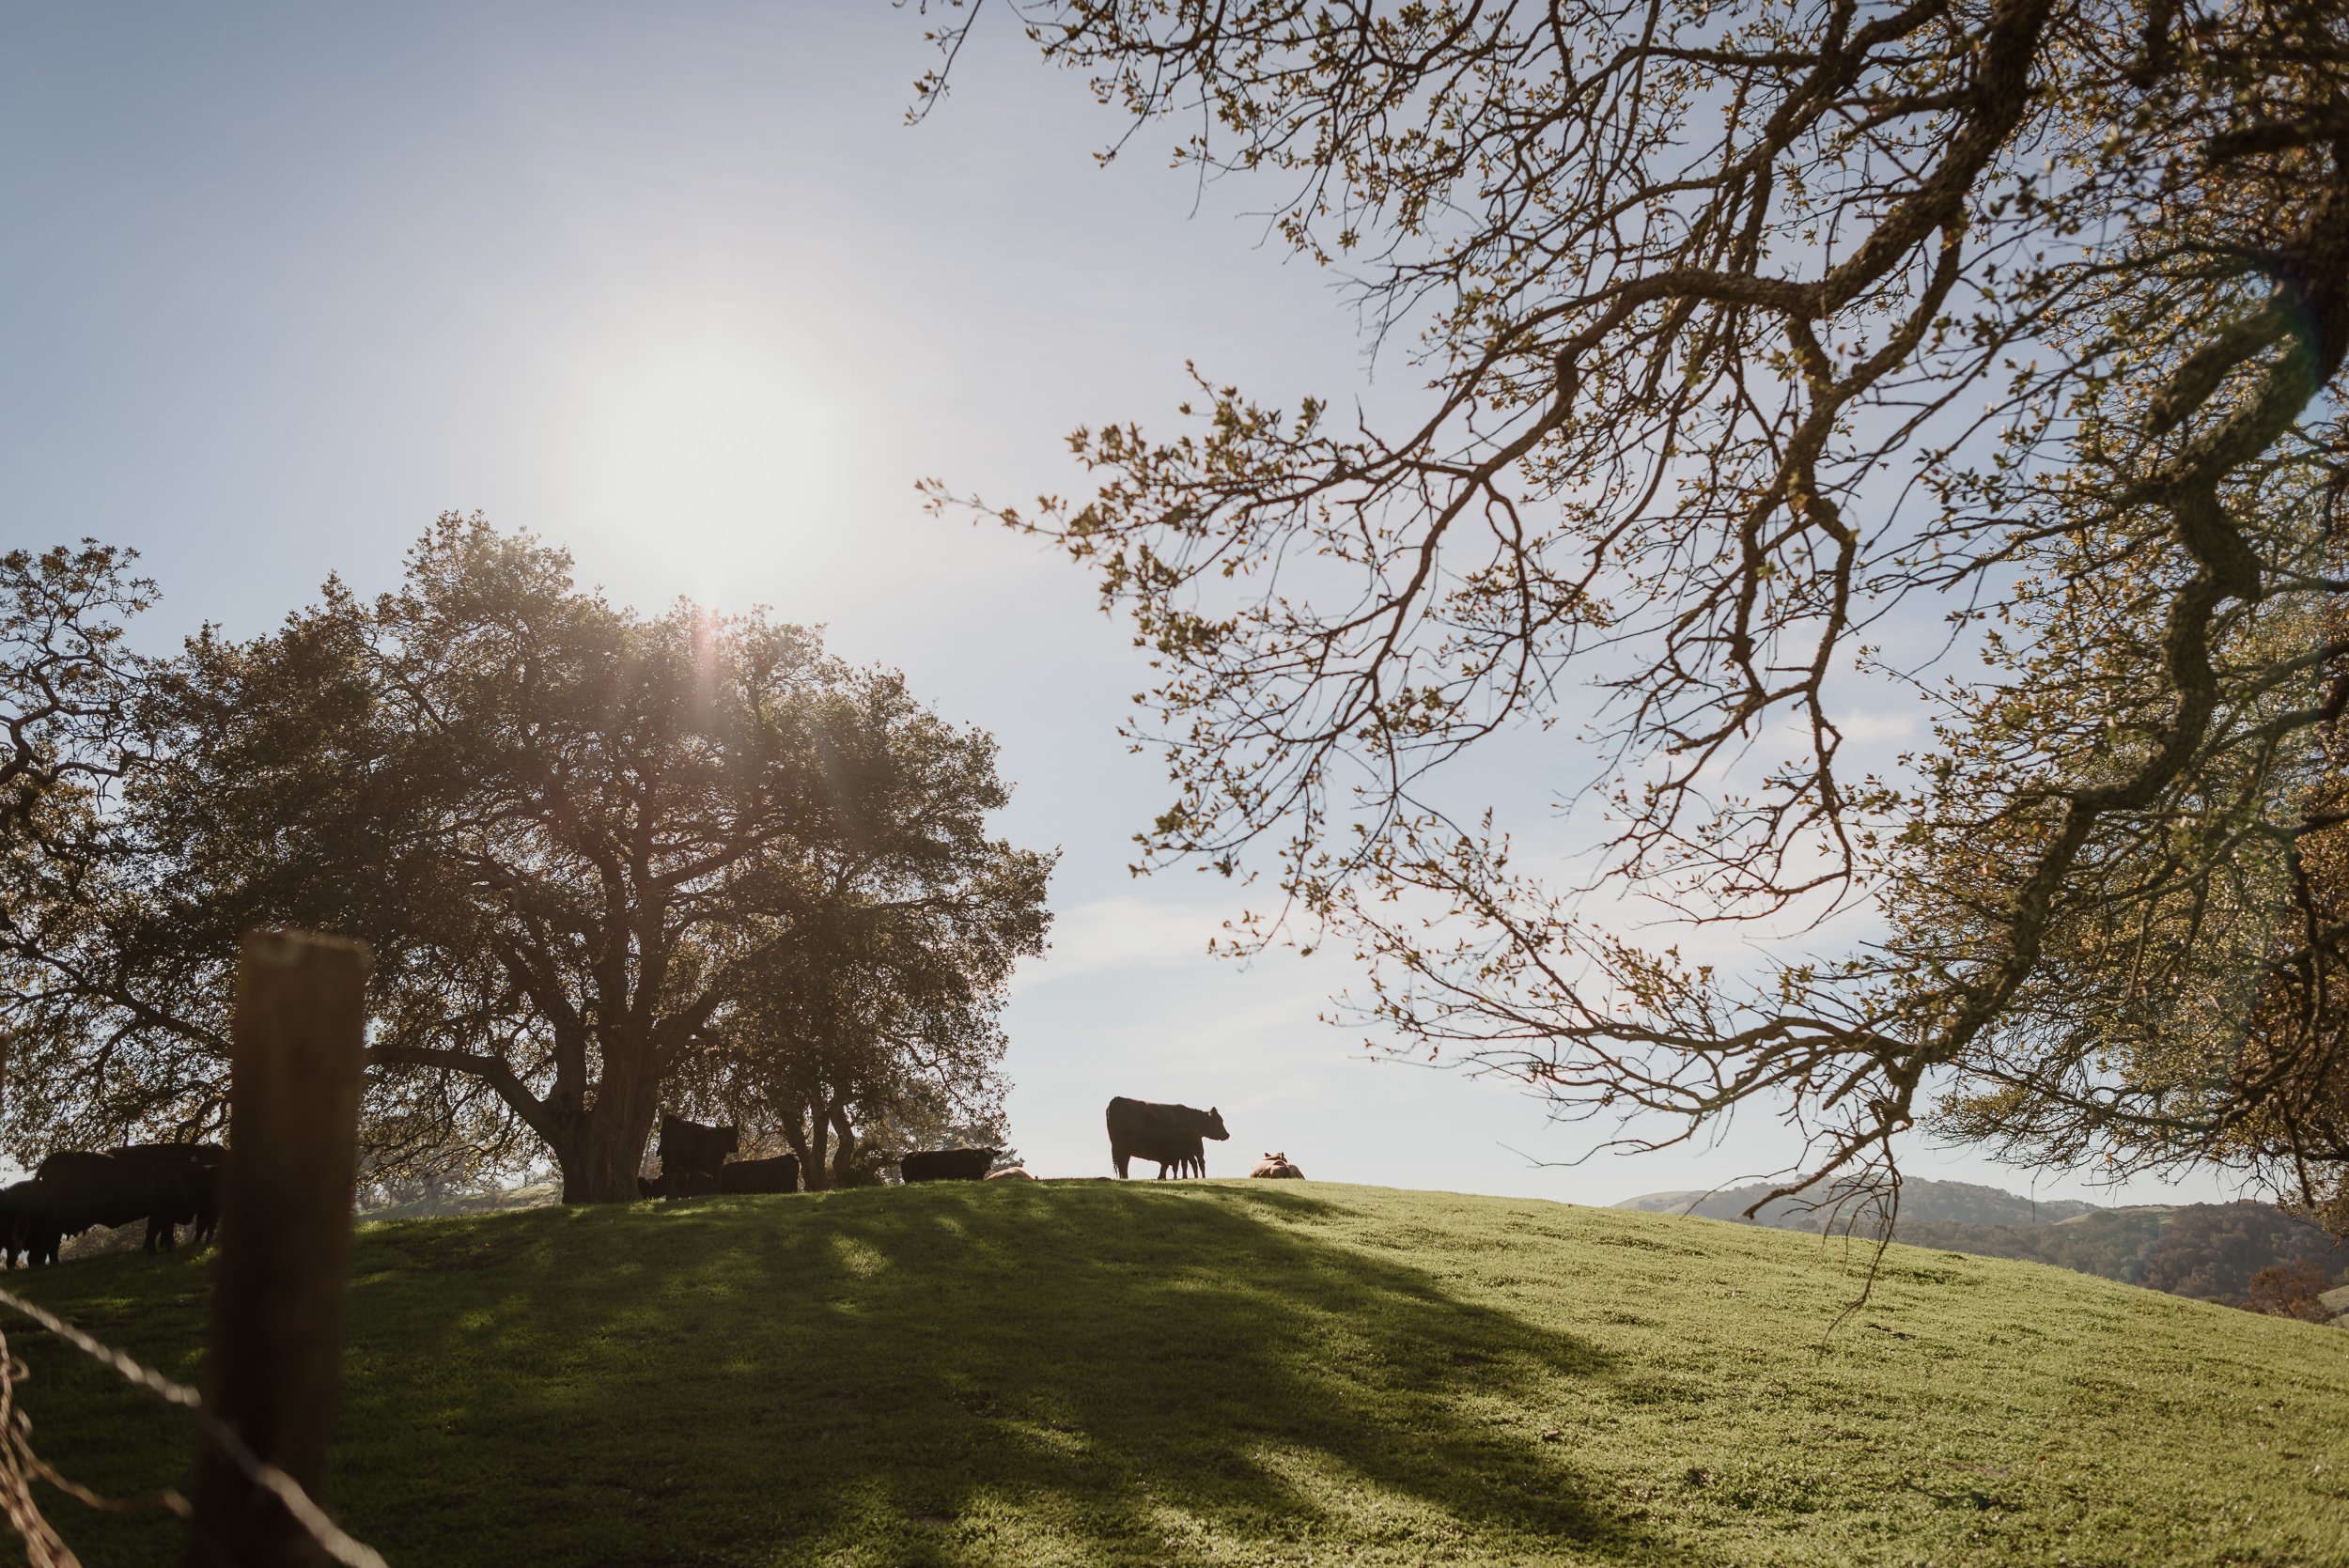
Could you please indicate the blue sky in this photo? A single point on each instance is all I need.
(677, 288)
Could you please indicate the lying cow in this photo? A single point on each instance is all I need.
(946, 1165)
(779, 1175)
(1277, 1166)
(1172, 1135)
(1015, 1173)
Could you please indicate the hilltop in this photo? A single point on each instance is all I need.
(1232, 1372)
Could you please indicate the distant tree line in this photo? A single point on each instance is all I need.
(608, 863)
(2210, 1252)
(2294, 1290)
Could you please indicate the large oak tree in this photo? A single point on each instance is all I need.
(582, 840)
(1782, 357)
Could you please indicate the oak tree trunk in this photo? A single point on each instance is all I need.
(843, 1170)
(815, 1167)
(600, 1149)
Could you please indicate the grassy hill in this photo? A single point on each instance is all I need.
(1238, 1373)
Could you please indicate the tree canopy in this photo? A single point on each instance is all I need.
(1782, 357)
(589, 848)
(894, 1042)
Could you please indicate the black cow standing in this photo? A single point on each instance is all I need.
(946, 1165)
(694, 1161)
(23, 1208)
(166, 1184)
(196, 1167)
(692, 1146)
(1172, 1135)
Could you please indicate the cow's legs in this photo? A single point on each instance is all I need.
(1117, 1158)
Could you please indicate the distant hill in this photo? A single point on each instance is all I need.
(2205, 1250)
(1093, 1375)
(1934, 1203)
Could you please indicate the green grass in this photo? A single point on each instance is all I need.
(1238, 1373)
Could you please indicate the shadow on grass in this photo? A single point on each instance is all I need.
(961, 1374)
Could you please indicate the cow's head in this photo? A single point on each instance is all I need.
(726, 1140)
(1214, 1127)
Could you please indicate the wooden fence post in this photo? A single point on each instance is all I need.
(275, 1367)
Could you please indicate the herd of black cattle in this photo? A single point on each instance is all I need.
(168, 1185)
(171, 1185)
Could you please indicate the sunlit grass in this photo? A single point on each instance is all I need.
(1231, 1372)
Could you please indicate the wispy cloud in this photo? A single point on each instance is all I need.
(1125, 933)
